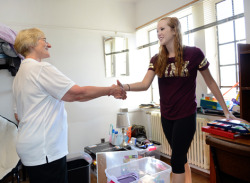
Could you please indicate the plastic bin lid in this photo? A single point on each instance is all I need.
(79, 155)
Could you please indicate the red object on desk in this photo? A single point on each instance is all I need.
(151, 148)
(221, 133)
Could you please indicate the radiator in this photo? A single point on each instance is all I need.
(198, 153)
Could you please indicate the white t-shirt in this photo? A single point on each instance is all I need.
(38, 89)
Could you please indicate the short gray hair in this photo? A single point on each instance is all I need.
(26, 39)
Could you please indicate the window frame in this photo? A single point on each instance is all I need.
(235, 42)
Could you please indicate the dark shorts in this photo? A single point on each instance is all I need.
(179, 134)
(53, 172)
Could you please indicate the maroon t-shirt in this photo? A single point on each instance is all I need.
(177, 93)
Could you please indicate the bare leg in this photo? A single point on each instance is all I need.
(183, 177)
(188, 177)
(178, 178)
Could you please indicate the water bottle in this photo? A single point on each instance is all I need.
(113, 137)
(110, 133)
(119, 139)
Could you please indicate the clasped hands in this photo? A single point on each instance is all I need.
(118, 91)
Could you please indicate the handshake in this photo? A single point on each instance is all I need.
(118, 91)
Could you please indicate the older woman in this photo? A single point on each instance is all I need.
(39, 93)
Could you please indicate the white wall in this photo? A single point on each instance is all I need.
(93, 14)
(147, 10)
(75, 30)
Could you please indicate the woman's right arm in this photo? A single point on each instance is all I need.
(140, 86)
(86, 93)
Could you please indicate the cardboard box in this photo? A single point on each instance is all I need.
(209, 104)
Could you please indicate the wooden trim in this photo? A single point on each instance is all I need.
(212, 169)
(154, 20)
(193, 169)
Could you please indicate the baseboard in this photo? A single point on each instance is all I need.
(194, 168)
(199, 170)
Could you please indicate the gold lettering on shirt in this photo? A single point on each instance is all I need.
(151, 66)
(184, 71)
(171, 70)
(203, 63)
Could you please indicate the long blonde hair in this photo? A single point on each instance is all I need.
(162, 61)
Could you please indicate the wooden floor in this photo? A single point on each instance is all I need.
(196, 178)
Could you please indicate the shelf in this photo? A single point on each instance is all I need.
(245, 88)
(245, 52)
(244, 67)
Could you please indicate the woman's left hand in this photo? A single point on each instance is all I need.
(229, 116)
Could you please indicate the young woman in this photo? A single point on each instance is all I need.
(176, 67)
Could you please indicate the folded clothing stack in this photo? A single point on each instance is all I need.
(234, 126)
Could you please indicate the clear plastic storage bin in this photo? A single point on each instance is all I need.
(145, 170)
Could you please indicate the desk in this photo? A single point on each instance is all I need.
(232, 157)
(96, 148)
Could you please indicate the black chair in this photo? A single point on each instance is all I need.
(231, 160)
(11, 164)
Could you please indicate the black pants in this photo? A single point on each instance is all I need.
(179, 134)
(53, 172)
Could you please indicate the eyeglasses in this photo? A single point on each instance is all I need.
(44, 39)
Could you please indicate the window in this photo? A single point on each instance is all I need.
(116, 56)
(229, 34)
(154, 49)
(186, 25)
